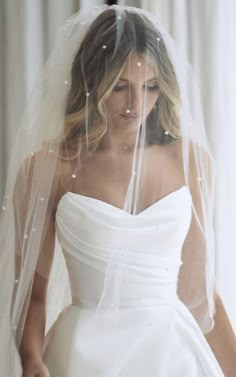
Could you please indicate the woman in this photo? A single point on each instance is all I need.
(116, 164)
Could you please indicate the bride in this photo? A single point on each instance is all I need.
(112, 160)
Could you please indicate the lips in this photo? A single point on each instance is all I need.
(130, 116)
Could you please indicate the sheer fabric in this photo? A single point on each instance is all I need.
(115, 116)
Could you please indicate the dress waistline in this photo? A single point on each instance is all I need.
(135, 303)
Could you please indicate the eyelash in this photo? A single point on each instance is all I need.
(123, 87)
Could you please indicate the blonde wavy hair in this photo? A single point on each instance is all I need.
(96, 69)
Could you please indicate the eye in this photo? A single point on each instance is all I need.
(119, 88)
(152, 88)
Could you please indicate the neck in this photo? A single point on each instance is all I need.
(114, 142)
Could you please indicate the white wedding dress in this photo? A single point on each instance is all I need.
(156, 335)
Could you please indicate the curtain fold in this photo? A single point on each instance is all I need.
(27, 34)
(2, 101)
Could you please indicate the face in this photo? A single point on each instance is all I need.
(134, 95)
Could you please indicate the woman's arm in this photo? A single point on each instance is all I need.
(33, 335)
(192, 278)
(222, 340)
(31, 347)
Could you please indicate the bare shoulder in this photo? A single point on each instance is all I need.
(177, 149)
(192, 148)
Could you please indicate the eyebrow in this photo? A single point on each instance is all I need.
(123, 79)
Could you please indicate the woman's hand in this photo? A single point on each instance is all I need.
(35, 368)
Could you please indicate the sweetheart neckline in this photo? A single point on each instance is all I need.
(106, 204)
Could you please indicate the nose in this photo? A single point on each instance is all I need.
(135, 100)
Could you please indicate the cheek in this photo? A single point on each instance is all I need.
(151, 102)
(114, 102)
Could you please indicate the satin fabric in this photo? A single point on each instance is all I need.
(155, 335)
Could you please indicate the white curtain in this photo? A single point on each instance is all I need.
(27, 34)
(205, 31)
